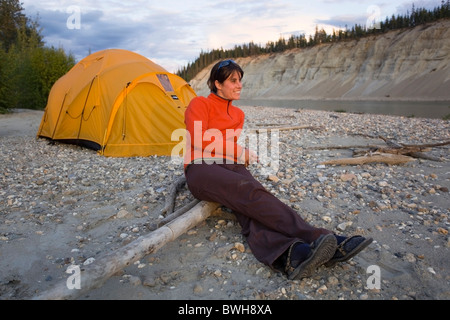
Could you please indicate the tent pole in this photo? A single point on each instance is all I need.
(84, 107)
(59, 116)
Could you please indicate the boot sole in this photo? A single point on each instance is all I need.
(322, 253)
(351, 254)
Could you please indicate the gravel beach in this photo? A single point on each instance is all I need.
(62, 205)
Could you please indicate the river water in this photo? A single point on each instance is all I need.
(418, 109)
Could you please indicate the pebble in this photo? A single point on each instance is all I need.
(198, 289)
(88, 261)
(123, 214)
(344, 225)
(348, 177)
(333, 281)
(239, 246)
(134, 280)
(322, 289)
(149, 282)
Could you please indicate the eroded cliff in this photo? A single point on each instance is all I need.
(410, 64)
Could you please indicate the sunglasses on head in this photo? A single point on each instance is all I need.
(225, 63)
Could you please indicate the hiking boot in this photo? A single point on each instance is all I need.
(348, 248)
(321, 251)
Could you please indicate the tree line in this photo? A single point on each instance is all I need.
(28, 68)
(416, 17)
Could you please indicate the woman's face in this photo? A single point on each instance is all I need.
(231, 88)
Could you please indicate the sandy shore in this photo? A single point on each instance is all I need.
(61, 206)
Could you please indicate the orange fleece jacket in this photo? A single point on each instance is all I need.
(213, 127)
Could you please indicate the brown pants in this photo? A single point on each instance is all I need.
(269, 225)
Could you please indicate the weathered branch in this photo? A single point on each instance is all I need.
(177, 213)
(387, 158)
(172, 194)
(95, 274)
(421, 155)
(393, 144)
(400, 151)
(284, 128)
(395, 153)
(369, 146)
(428, 145)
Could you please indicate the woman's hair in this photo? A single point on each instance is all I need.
(222, 71)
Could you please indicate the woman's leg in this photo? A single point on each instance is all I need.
(269, 225)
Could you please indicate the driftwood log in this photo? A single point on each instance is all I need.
(387, 158)
(95, 274)
(393, 154)
(284, 128)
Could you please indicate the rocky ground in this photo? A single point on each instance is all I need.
(61, 205)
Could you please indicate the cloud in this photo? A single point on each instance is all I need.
(95, 32)
(154, 34)
(343, 22)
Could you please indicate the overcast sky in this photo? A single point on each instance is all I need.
(172, 33)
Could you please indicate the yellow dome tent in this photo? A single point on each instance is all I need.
(118, 103)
